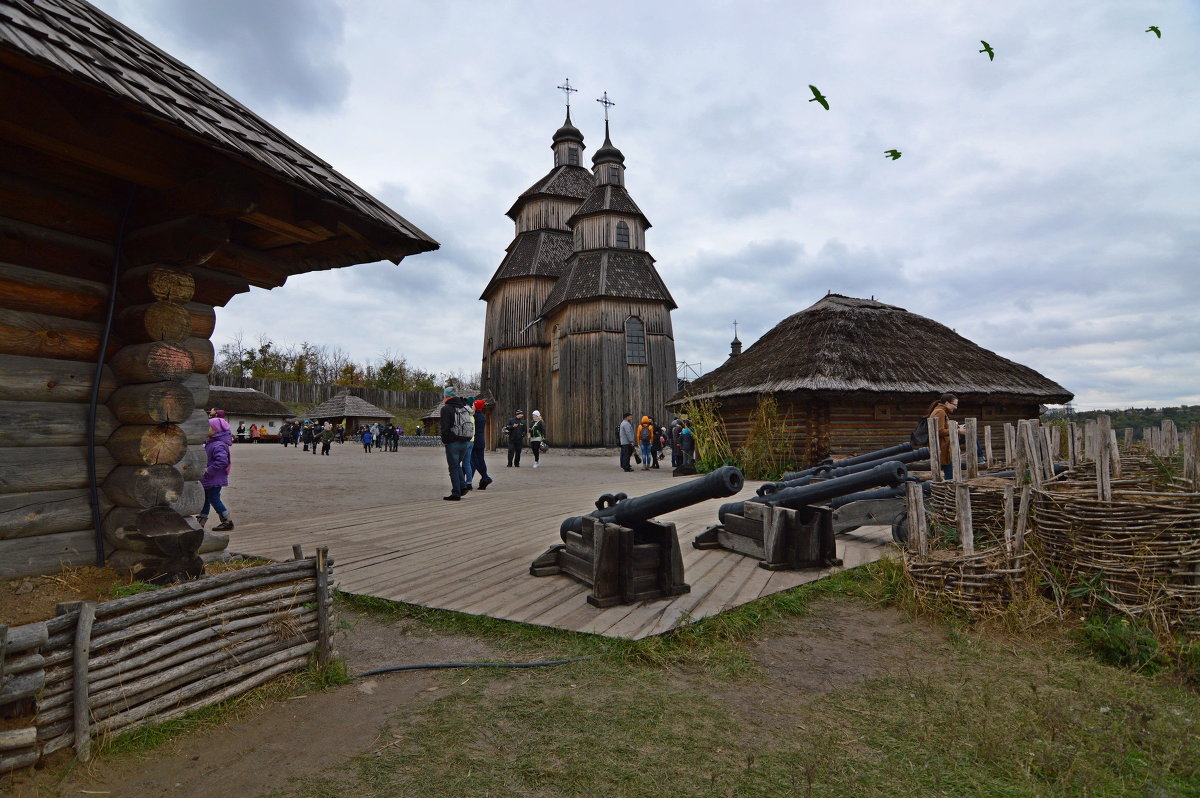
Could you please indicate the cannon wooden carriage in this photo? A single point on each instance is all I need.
(622, 552)
(789, 529)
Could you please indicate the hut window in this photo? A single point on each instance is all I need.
(554, 349)
(622, 235)
(572, 156)
(883, 411)
(635, 341)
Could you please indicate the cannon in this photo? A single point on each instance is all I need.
(786, 529)
(881, 506)
(912, 456)
(829, 464)
(622, 552)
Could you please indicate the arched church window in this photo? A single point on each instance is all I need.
(554, 351)
(622, 235)
(635, 341)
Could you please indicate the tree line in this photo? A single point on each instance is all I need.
(1136, 417)
(322, 365)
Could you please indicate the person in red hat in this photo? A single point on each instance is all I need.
(480, 445)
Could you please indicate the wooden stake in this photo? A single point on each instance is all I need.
(79, 678)
(972, 448)
(1022, 521)
(917, 533)
(1072, 445)
(988, 456)
(297, 551)
(935, 449)
(1103, 475)
(1010, 445)
(962, 507)
(1009, 519)
(323, 600)
(955, 464)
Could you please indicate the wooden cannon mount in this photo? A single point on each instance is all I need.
(787, 529)
(622, 552)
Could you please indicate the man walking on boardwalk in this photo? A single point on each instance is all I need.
(516, 437)
(479, 445)
(457, 430)
(626, 440)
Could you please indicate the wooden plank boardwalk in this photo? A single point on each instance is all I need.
(473, 556)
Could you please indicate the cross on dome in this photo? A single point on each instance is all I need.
(567, 90)
(607, 103)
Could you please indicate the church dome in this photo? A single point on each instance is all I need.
(568, 132)
(608, 153)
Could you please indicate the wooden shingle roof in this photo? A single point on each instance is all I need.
(844, 345)
(609, 199)
(537, 253)
(77, 43)
(568, 181)
(625, 274)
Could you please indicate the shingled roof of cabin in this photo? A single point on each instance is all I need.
(624, 275)
(566, 181)
(843, 345)
(246, 401)
(537, 253)
(75, 41)
(346, 405)
(609, 199)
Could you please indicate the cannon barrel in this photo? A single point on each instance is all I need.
(877, 493)
(906, 457)
(888, 473)
(882, 454)
(725, 481)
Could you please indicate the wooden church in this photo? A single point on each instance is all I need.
(578, 320)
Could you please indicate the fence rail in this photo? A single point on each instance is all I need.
(309, 393)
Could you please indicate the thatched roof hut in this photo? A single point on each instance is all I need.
(355, 410)
(852, 373)
(246, 406)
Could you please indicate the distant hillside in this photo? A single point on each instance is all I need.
(1135, 417)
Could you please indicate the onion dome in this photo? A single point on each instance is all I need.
(568, 132)
(608, 153)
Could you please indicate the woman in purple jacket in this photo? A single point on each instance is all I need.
(216, 474)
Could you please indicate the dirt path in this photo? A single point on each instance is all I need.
(841, 643)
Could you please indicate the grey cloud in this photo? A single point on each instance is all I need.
(279, 53)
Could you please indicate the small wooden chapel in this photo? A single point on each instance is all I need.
(578, 320)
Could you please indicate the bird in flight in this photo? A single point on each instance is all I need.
(893, 154)
(818, 97)
(987, 48)
(1154, 29)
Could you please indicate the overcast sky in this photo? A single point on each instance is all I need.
(1046, 204)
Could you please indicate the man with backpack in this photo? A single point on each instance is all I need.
(458, 428)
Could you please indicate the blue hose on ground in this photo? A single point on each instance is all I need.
(441, 665)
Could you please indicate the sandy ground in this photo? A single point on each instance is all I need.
(271, 483)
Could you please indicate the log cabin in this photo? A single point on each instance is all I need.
(135, 198)
(852, 376)
(353, 411)
(578, 319)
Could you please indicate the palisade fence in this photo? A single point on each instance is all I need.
(99, 669)
(308, 393)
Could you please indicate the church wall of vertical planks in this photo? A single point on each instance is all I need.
(135, 198)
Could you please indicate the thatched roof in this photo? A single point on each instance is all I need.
(247, 402)
(345, 405)
(847, 345)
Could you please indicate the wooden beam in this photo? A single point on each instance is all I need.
(189, 241)
(26, 469)
(34, 290)
(256, 268)
(40, 335)
(36, 379)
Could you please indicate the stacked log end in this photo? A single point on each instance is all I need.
(158, 408)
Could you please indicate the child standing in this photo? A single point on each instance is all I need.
(216, 473)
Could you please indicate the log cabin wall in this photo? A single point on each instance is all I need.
(846, 425)
(594, 384)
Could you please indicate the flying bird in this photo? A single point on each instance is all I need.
(818, 97)
(1154, 29)
(893, 154)
(987, 48)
